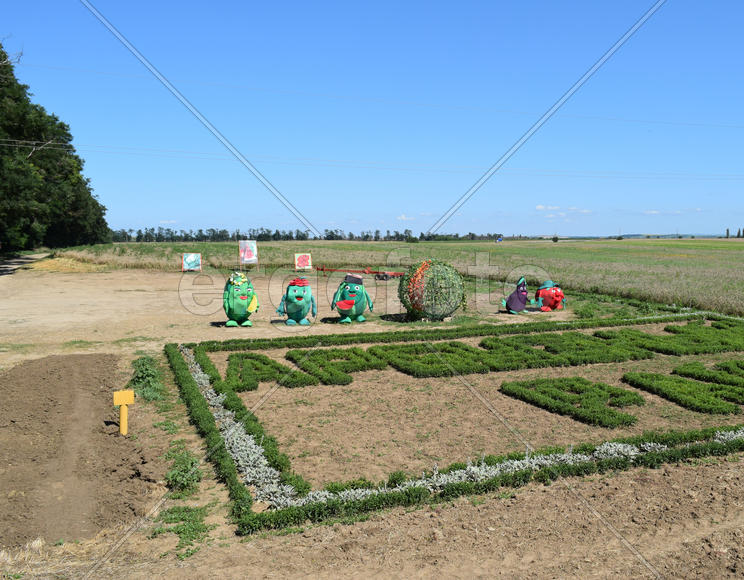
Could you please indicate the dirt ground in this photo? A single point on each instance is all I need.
(65, 471)
(684, 521)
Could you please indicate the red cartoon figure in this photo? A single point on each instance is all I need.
(550, 297)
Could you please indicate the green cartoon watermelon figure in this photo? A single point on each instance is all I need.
(298, 302)
(239, 300)
(351, 299)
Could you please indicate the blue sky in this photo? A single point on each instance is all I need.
(379, 116)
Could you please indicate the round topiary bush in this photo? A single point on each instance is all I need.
(431, 289)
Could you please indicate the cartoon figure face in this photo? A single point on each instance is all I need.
(299, 294)
(522, 287)
(243, 292)
(352, 292)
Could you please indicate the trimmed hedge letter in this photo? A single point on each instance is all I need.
(441, 359)
(332, 365)
(509, 354)
(578, 348)
(246, 369)
(725, 373)
(578, 398)
(694, 395)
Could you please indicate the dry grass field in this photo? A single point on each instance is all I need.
(704, 273)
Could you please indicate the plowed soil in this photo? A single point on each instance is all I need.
(65, 472)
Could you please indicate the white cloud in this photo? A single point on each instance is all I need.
(652, 212)
(168, 221)
(566, 213)
(404, 218)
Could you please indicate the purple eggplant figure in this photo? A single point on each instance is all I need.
(517, 300)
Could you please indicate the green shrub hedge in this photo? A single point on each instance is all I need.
(246, 369)
(201, 417)
(332, 365)
(694, 395)
(441, 359)
(690, 447)
(724, 373)
(577, 398)
(418, 335)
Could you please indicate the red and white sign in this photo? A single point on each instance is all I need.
(303, 262)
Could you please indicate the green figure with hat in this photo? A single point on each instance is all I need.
(298, 301)
(351, 299)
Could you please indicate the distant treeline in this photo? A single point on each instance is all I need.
(266, 235)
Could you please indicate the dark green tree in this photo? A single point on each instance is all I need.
(44, 197)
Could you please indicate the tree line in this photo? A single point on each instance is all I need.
(44, 198)
(162, 234)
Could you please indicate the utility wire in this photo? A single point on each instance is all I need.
(202, 119)
(391, 101)
(544, 119)
(367, 164)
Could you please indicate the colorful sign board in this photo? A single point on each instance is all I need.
(191, 263)
(303, 262)
(248, 252)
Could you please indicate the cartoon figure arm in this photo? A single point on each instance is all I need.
(282, 306)
(539, 302)
(224, 299)
(314, 306)
(336, 297)
(369, 300)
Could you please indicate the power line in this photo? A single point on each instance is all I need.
(201, 118)
(403, 102)
(545, 118)
(374, 165)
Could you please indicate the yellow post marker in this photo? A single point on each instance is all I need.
(121, 400)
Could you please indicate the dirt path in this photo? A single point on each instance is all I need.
(10, 265)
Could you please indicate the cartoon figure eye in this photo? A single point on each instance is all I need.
(356, 287)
